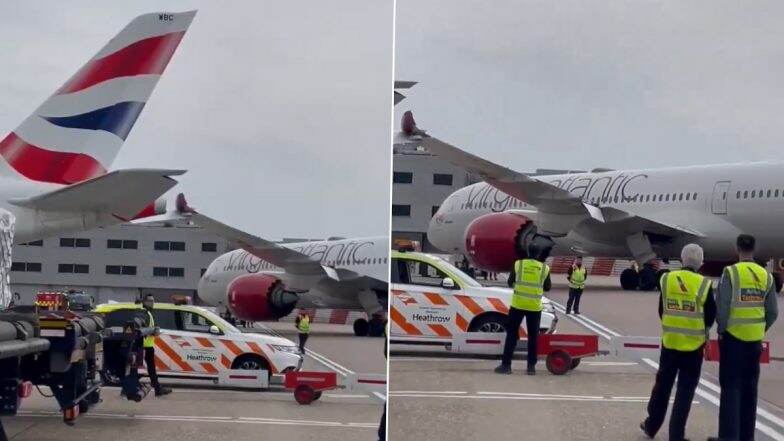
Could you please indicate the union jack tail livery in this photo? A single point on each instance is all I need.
(76, 133)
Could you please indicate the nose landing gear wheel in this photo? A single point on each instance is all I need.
(558, 362)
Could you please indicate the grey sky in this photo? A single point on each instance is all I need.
(583, 84)
(280, 111)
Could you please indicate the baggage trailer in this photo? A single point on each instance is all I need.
(561, 352)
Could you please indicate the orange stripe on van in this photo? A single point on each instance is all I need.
(470, 304)
(173, 355)
(210, 369)
(255, 347)
(232, 347)
(498, 305)
(160, 365)
(461, 323)
(435, 299)
(399, 320)
(205, 342)
(440, 330)
(225, 362)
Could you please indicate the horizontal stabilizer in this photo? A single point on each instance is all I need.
(122, 193)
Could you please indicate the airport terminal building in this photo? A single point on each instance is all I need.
(117, 263)
(420, 183)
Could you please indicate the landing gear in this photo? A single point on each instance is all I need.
(370, 328)
(361, 327)
(648, 279)
(630, 279)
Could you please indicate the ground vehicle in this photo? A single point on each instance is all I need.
(432, 300)
(196, 343)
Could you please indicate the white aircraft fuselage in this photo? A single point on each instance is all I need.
(367, 256)
(718, 201)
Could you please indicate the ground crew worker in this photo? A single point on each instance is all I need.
(149, 349)
(747, 307)
(531, 280)
(576, 276)
(687, 311)
(303, 327)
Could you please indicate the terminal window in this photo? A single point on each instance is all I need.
(442, 179)
(162, 245)
(209, 247)
(70, 242)
(161, 271)
(401, 210)
(73, 268)
(30, 267)
(35, 243)
(124, 270)
(402, 177)
(122, 244)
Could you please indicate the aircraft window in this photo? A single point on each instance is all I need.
(737, 196)
(776, 193)
(768, 194)
(745, 194)
(680, 196)
(667, 197)
(724, 195)
(688, 196)
(647, 198)
(760, 193)
(674, 195)
(753, 192)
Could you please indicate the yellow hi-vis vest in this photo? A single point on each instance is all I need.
(577, 279)
(683, 304)
(530, 275)
(149, 341)
(750, 284)
(304, 324)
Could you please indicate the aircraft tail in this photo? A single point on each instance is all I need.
(76, 133)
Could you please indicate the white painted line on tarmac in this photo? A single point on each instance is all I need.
(448, 392)
(609, 363)
(207, 419)
(522, 398)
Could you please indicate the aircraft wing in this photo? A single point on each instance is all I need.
(291, 260)
(123, 193)
(546, 197)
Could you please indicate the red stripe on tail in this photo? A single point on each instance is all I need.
(148, 56)
(43, 165)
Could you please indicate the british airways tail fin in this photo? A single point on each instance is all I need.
(76, 133)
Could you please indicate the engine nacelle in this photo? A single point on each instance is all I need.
(258, 297)
(493, 240)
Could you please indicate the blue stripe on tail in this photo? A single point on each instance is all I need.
(117, 119)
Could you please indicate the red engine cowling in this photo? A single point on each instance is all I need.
(492, 240)
(257, 297)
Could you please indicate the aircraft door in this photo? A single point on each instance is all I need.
(720, 195)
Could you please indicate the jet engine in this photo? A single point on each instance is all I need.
(493, 240)
(258, 297)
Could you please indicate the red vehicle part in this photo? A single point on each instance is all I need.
(712, 351)
(563, 352)
(307, 386)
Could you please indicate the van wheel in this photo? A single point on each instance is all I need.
(251, 362)
(488, 323)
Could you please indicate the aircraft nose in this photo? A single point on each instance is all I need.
(435, 229)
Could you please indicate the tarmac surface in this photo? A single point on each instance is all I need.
(198, 412)
(438, 396)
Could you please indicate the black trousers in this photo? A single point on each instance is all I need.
(574, 299)
(149, 360)
(303, 337)
(739, 371)
(686, 366)
(382, 427)
(532, 319)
